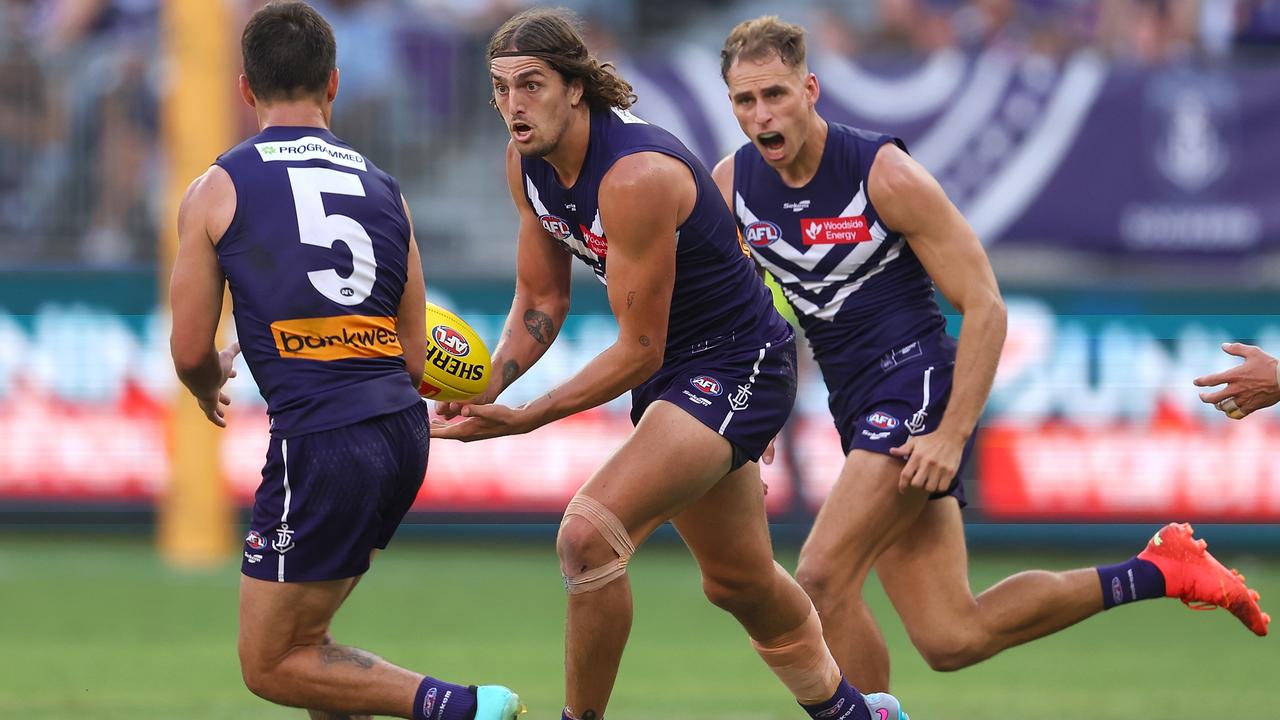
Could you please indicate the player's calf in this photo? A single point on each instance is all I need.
(832, 591)
(947, 649)
(803, 663)
(745, 594)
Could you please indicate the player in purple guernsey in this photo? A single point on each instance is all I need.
(857, 233)
(326, 284)
(709, 362)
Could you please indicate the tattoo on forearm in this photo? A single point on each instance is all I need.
(644, 340)
(540, 326)
(589, 715)
(510, 371)
(631, 298)
(334, 654)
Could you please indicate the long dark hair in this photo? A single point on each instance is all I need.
(553, 36)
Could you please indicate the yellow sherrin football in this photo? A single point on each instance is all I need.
(458, 363)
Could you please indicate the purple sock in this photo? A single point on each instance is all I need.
(1133, 579)
(846, 704)
(439, 700)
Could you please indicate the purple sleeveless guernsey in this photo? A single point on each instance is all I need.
(856, 286)
(865, 301)
(316, 258)
(718, 297)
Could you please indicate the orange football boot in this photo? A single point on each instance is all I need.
(1196, 578)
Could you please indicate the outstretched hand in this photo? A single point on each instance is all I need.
(482, 422)
(1250, 386)
(450, 410)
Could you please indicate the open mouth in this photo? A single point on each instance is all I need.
(771, 142)
(521, 131)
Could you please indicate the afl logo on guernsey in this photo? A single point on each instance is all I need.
(707, 385)
(556, 227)
(450, 341)
(762, 233)
(882, 420)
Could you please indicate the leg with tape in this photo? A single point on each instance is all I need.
(608, 527)
(803, 663)
(594, 548)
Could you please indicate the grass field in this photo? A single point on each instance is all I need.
(99, 628)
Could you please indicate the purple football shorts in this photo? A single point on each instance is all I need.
(903, 394)
(742, 389)
(328, 498)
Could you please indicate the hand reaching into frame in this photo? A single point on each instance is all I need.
(1250, 386)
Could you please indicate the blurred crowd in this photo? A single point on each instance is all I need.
(81, 165)
(1144, 32)
(78, 121)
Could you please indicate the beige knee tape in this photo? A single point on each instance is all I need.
(612, 530)
(802, 662)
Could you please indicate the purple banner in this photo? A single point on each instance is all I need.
(1076, 154)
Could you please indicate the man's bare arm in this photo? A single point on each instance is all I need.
(196, 290)
(642, 270)
(411, 317)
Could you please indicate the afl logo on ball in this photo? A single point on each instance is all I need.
(762, 233)
(450, 341)
(882, 420)
(556, 227)
(254, 540)
(707, 385)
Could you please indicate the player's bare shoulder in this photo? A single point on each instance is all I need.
(902, 190)
(658, 181)
(893, 174)
(210, 200)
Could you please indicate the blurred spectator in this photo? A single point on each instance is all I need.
(1257, 23)
(1148, 32)
(909, 26)
(24, 130)
(370, 66)
(100, 59)
(79, 86)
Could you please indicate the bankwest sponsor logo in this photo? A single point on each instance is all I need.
(310, 148)
(835, 231)
(336, 338)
